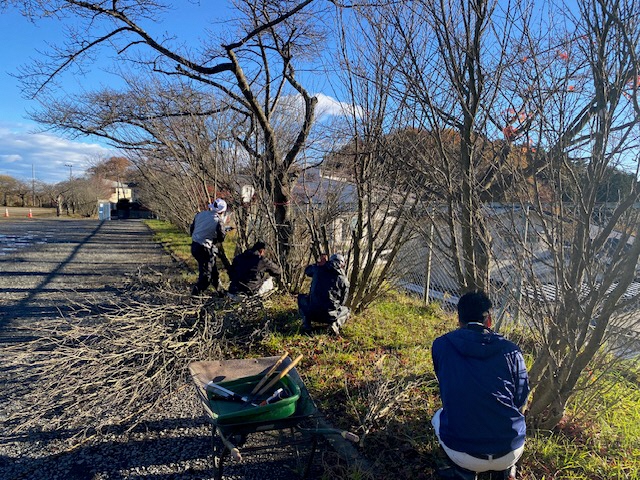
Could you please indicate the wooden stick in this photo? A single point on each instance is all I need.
(282, 374)
(268, 374)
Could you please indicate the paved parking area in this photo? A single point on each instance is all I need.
(46, 264)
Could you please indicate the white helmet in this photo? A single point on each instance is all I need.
(218, 206)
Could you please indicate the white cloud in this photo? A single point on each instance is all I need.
(45, 155)
(10, 158)
(330, 106)
(326, 106)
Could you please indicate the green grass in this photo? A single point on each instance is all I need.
(173, 240)
(377, 380)
(599, 438)
(178, 243)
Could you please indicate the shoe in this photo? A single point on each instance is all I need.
(509, 473)
(306, 324)
(454, 472)
(335, 329)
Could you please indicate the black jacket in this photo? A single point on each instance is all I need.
(248, 272)
(329, 286)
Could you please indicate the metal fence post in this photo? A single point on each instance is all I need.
(427, 280)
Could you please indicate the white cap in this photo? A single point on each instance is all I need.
(337, 258)
(218, 206)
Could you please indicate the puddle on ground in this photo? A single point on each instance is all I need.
(12, 243)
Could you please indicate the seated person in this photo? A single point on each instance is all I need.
(327, 295)
(250, 272)
(483, 386)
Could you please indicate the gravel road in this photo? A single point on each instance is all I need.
(43, 264)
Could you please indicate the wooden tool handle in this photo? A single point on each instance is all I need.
(268, 374)
(281, 375)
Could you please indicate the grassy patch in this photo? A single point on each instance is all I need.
(599, 438)
(377, 380)
(173, 240)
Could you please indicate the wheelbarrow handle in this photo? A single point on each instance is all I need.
(233, 450)
(352, 437)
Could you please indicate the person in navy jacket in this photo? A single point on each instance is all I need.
(327, 296)
(484, 386)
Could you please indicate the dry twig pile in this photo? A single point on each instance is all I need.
(104, 365)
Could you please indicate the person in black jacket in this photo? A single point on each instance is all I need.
(327, 295)
(249, 272)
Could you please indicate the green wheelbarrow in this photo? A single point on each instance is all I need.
(227, 392)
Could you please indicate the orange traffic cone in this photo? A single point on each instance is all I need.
(30, 214)
(6, 212)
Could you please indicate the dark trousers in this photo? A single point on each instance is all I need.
(207, 269)
(311, 314)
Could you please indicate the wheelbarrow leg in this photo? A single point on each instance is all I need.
(219, 463)
(307, 468)
(220, 451)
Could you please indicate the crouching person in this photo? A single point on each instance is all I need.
(483, 386)
(327, 296)
(252, 273)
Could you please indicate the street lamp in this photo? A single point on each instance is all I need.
(70, 165)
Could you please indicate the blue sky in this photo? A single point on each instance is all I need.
(24, 148)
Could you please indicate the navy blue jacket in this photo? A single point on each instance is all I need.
(329, 286)
(483, 384)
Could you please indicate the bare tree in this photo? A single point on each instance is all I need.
(173, 134)
(256, 73)
(8, 189)
(450, 56)
(542, 113)
(365, 204)
(585, 131)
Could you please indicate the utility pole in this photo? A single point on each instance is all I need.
(70, 166)
(33, 185)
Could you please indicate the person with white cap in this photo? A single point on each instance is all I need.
(207, 232)
(325, 302)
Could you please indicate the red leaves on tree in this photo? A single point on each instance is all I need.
(510, 132)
